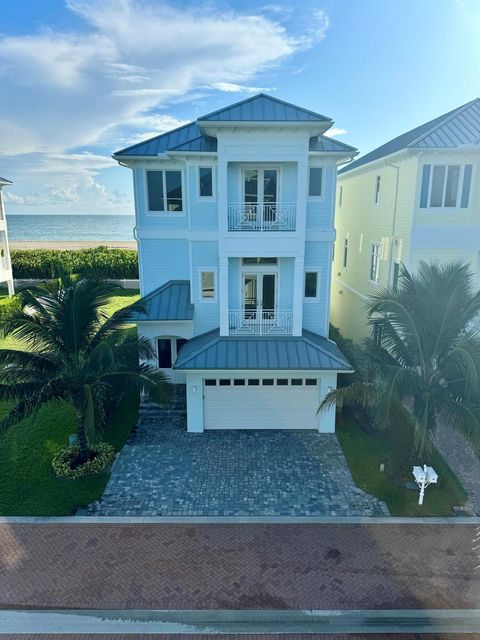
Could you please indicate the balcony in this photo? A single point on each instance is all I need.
(260, 322)
(259, 216)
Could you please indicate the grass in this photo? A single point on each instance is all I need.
(366, 451)
(28, 485)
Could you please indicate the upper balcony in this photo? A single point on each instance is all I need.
(261, 216)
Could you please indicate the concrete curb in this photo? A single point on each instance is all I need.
(233, 520)
(238, 621)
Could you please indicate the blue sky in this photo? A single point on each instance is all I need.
(80, 79)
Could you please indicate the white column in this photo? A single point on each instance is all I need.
(298, 284)
(194, 402)
(223, 295)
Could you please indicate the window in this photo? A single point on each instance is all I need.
(267, 382)
(282, 382)
(210, 383)
(208, 284)
(224, 382)
(345, 253)
(164, 347)
(297, 382)
(377, 189)
(164, 191)
(311, 284)
(239, 382)
(395, 275)
(445, 186)
(254, 382)
(311, 382)
(315, 182)
(205, 182)
(340, 197)
(259, 260)
(375, 262)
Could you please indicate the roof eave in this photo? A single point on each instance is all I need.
(176, 154)
(379, 161)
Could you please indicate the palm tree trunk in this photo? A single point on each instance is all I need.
(82, 440)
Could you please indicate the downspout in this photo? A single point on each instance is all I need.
(394, 220)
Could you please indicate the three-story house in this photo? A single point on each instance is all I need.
(235, 231)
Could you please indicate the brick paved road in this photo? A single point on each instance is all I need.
(354, 636)
(228, 566)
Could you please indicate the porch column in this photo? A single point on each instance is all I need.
(194, 402)
(223, 293)
(298, 296)
(326, 419)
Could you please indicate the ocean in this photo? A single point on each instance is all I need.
(71, 227)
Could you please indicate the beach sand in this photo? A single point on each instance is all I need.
(71, 244)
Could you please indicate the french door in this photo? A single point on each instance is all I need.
(260, 193)
(259, 295)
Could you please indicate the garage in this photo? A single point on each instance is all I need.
(261, 403)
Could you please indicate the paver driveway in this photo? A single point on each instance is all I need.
(235, 566)
(163, 470)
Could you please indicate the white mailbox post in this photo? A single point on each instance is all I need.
(423, 477)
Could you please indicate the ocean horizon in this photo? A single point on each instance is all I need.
(88, 227)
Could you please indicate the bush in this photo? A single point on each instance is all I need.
(50, 263)
(6, 306)
(61, 462)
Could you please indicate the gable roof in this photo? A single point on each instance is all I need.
(457, 128)
(259, 108)
(5, 181)
(308, 351)
(263, 108)
(171, 301)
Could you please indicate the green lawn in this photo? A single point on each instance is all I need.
(27, 483)
(366, 451)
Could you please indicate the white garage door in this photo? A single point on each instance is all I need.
(256, 403)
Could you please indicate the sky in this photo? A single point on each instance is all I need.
(80, 79)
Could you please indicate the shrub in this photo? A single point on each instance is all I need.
(61, 462)
(6, 306)
(50, 263)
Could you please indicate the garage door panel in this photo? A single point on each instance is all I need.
(261, 407)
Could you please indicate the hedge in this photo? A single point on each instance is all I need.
(61, 462)
(49, 263)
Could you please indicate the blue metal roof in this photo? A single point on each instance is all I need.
(460, 127)
(171, 301)
(325, 144)
(309, 351)
(259, 108)
(5, 181)
(263, 108)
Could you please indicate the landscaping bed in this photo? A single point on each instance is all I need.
(365, 452)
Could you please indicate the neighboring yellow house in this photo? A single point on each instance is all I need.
(414, 198)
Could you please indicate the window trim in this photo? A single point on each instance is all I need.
(213, 197)
(165, 214)
(443, 209)
(378, 247)
(322, 185)
(316, 270)
(215, 284)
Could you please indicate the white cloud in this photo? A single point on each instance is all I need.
(335, 131)
(105, 83)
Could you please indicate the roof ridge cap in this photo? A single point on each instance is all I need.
(446, 119)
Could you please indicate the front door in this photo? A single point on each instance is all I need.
(259, 295)
(260, 188)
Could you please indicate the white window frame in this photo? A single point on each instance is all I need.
(165, 214)
(318, 271)
(215, 284)
(378, 187)
(213, 197)
(173, 349)
(259, 167)
(322, 194)
(375, 245)
(461, 177)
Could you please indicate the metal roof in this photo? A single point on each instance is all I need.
(457, 128)
(5, 181)
(323, 143)
(189, 137)
(309, 351)
(263, 108)
(171, 301)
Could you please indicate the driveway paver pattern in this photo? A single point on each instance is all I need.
(239, 566)
(165, 471)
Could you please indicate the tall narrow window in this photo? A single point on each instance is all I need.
(377, 189)
(315, 182)
(395, 275)
(340, 196)
(208, 284)
(345, 253)
(164, 346)
(164, 191)
(375, 262)
(311, 284)
(205, 177)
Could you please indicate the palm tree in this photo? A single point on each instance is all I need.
(74, 352)
(425, 353)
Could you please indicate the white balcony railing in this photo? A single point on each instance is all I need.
(260, 322)
(258, 216)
